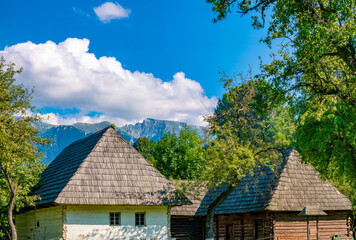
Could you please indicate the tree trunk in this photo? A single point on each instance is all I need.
(209, 226)
(11, 203)
(10, 216)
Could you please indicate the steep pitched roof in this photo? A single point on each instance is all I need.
(288, 187)
(104, 169)
(195, 195)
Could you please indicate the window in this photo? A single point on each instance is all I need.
(140, 219)
(115, 219)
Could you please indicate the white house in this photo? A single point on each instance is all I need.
(100, 187)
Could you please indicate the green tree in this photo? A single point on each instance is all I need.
(180, 157)
(272, 124)
(146, 148)
(315, 69)
(327, 136)
(19, 165)
(242, 138)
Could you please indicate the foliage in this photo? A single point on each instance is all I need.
(243, 137)
(19, 156)
(176, 157)
(182, 156)
(327, 134)
(315, 70)
(146, 148)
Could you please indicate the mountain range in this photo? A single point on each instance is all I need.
(63, 135)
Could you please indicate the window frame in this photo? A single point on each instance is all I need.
(114, 217)
(141, 216)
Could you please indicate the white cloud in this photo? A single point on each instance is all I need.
(67, 76)
(109, 11)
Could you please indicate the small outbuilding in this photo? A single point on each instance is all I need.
(288, 202)
(185, 224)
(100, 187)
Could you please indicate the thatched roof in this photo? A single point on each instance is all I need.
(194, 194)
(104, 169)
(289, 187)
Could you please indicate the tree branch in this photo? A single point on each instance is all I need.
(222, 197)
(263, 2)
(324, 91)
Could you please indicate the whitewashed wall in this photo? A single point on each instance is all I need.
(93, 222)
(50, 224)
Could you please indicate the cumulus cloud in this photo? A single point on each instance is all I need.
(109, 11)
(67, 76)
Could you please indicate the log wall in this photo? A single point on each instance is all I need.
(187, 228)
(281, 226)
(243, 226)
(291, 226)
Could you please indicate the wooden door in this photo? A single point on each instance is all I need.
(259, 229)
(229, 232)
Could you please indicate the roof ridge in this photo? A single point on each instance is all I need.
(102, 132)
(58, 167)
(82, 140)
(109, 172)
(296, 169)
(135, 150)
(286, 156)
(289, 186)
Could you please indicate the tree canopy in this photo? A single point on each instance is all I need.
(146, 148)
(19, 157)
(175, 156)
(243, 137)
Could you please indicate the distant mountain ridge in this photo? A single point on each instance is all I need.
(91, 128)
(63, 135)
(152, 129)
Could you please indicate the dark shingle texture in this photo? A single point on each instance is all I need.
(288, 187)
(105, 169)
(195, 195)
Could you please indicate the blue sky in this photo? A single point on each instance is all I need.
(157, 45)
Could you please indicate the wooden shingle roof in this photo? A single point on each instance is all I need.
(195, 195)
(288, 187)
(104, 169)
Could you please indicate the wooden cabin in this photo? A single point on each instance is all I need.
(289, 202)
(185, 224)
(100, 187)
